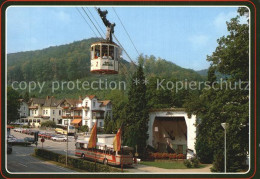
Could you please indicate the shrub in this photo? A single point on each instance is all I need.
(180, 156)
(165, 156)
(173, 156)
(25, 126)
(75, 162)
(195, 162)
(51, 124)
(83, 128)
(218, 164)
(187, 163)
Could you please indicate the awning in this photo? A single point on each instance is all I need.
(76, 121)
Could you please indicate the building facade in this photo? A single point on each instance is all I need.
(82, 111)
(172, 130)
(24, 109)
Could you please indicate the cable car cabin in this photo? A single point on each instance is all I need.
(105, 57)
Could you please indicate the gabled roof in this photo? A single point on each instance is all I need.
(73, 102)
(39, 101)
(104, 102)
(22, 101)
(51, 102)
(91, 96)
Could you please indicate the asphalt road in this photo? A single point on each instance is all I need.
(21, 160)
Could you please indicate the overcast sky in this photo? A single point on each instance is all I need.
(183, 35)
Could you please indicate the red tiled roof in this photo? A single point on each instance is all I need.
(91, 96)
(104, 102)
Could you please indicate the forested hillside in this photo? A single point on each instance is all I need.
(72, 61)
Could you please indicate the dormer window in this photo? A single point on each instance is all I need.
(86, 104)
(94, 103)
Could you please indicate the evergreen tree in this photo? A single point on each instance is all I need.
(230, 104)
(26, 96)
(13, 105)
(107, 125)
(136, 124)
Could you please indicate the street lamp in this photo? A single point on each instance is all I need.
(225, 126)
(67, 114)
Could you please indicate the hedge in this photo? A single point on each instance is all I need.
(167, 156)
(75, 162)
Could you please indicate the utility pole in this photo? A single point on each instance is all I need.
(67, 147)
(225, 126)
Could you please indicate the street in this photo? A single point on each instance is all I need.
(21, 160)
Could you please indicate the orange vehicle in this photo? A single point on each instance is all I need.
(104, 153)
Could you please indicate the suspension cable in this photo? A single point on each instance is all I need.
(126, 31)
(92, 22)
(124, 50)
(86, 22)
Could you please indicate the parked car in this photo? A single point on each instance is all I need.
(11, 138)
(50, 135)
(59, 138)
(29, 139)
(24, 131)
(31, 132)
(18, 129)
(41, 134)
(9, 149)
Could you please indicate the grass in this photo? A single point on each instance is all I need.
(168, 164)
(57, 163)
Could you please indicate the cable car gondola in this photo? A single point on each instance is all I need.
(105, 54)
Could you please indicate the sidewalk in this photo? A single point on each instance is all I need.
(149, 169)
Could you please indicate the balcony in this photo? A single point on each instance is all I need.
(77, 116)
(33, 107)
(67, 117)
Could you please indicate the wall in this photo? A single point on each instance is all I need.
(190, 122)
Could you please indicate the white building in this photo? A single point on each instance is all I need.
(24, 109)
(172, 130)
(94, 110)
(42, 110)
(76, 112)
(71, 112)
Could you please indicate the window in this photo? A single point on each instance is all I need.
(53, 119)
(111, 52)
(34, 111)
(94, 103)
(24, 108)
(116, 53)
(97, 51)
(100, 124)
(104, 51)
(59, 112)
(86, 104)
(53, 111)
(94, 114)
